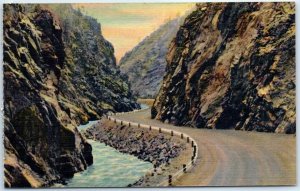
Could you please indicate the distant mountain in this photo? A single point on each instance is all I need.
(232, 65)
(145, 64)
(59, 71)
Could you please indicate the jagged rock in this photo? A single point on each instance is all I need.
(54, 80)
(232, 65)
(146, 145)
(145, 63)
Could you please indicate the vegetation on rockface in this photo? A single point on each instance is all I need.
(59, 71)
(91, 66)
(232, 65)
(145, 64)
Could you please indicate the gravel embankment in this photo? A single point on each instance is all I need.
(150, 146)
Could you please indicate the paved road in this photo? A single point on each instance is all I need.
(234, 158)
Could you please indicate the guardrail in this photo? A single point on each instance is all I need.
(189, 140)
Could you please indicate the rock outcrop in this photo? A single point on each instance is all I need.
(59, 71)
(145, 64)
(150, 146)
(232, 65)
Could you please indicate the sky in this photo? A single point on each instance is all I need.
(126, 24)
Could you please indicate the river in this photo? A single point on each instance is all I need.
(110, 168)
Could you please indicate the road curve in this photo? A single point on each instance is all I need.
(233, 158)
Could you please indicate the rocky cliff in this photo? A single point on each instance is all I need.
(59, 71)
(232, 65)
(145, 64)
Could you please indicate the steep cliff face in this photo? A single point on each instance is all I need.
(91, 67)
(145, 64)
(232, 65)
(49, 88)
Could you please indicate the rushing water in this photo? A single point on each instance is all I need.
(89, 124)
(110, 168)
(144, 106)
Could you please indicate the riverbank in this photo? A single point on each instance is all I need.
(110, 169)
(166, 153)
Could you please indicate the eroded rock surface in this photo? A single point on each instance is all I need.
(232, 65)
(145, 64)
(59, 72)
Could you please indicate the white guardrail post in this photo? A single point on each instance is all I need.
(186, 167)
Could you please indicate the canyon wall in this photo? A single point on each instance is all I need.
(59, 71)
(145, 64)
(232, 66)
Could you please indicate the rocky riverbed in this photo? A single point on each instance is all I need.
(147, 145)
